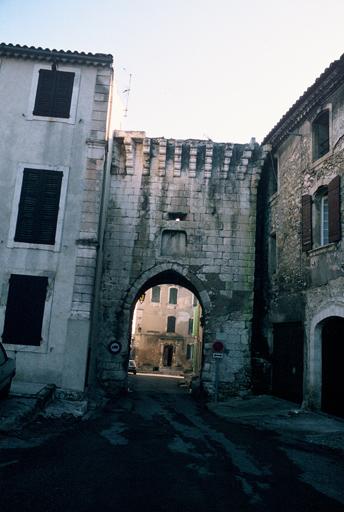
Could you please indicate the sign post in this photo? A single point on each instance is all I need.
(217, 355)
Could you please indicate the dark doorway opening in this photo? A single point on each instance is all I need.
(332, 395)
(168, 355)
(287, 361)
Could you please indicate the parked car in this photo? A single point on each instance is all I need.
(132, 366)
(7, 372)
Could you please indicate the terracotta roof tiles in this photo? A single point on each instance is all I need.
(33, 53)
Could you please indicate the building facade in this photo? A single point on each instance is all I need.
(167, 335)
(54, 121)
(300, 259)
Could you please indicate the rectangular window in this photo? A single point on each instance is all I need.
(54, 93)
(173, 295)
(156, 294)
(189, 351)
(38, 206)
(321, 134)
(324, 221)
(171, 324)
(24, 310)
(272, 254)
(306, 213)
(190, 326)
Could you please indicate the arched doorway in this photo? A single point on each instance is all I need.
(332, 349)
(167, 322)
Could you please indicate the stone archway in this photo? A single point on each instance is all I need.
(172, 273)
(313, 396)
(332, 355)
(145, 343)
(163, 274)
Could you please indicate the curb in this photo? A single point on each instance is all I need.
(25, 414)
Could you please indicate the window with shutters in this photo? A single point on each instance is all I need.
(173, 296)
(156, 294)
(189, 351)
(38, 207)
(321, 221)
(190, 326)
(25, 310)
(54, 93)
(171, 324)
(321, 134)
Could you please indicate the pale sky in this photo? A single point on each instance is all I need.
(220, 69)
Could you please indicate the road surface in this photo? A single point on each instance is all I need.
(158, 450)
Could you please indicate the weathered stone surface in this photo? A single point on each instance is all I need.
(153, 181)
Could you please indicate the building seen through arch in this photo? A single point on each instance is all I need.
(167, 332)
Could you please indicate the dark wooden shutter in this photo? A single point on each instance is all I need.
(45, 93)
(173, 296)
(49, 206)
(38, 206)
(25, 309)
(171, 324)
(306, 206)
(334, 219)
(54, 93)
(63, 94)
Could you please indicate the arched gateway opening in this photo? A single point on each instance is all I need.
(332, 389)
(167, 327)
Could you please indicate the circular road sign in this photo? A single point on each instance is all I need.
(115, 347)
(218, 346)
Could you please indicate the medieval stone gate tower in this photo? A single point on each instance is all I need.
(181, 212)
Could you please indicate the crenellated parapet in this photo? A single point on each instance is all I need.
(133, 152)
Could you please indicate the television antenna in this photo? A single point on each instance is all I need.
(127, 93)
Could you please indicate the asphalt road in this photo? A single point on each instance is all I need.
(158, 450)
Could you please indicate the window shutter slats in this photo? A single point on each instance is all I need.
(39, 206)
(54, 93)
(306, 207)
(63, 94)
(45, 93)
(27, 206)
(334, 210)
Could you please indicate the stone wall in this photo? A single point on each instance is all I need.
(185, 209)
(305, 282)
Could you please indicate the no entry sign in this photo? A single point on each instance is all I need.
(218, 346)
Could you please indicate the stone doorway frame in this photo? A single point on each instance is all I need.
(314, 381)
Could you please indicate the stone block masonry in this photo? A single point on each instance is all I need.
(182, 208)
